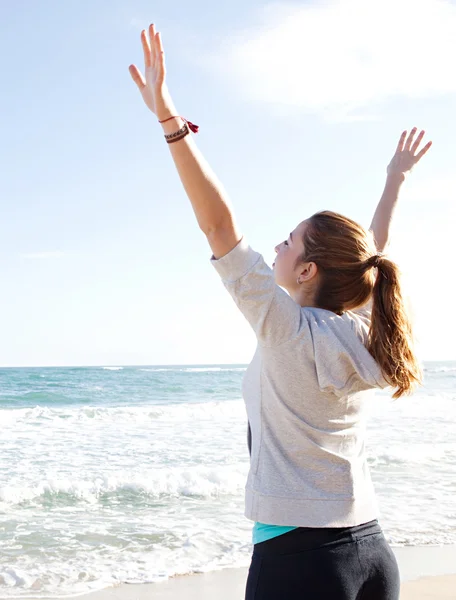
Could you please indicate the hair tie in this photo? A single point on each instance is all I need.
(375, 260)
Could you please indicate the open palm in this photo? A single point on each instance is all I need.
(406, 156)
(152, 86)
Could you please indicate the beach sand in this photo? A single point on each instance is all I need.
(426, 573)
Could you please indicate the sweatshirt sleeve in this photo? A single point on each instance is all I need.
(273, 315)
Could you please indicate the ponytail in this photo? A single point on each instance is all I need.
(390, 334)
(351, 273)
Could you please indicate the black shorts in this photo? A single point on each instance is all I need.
(348, 563)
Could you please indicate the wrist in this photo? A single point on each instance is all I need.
(395, 177)
(165, 112)
(173, 124)
(164, 115)
(164, 105)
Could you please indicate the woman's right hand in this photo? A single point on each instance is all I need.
(406, 156)
(153, 87)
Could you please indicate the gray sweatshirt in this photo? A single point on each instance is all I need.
(305, 393)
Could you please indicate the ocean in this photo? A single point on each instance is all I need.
(115, 475)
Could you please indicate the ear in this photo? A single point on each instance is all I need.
(308, 271)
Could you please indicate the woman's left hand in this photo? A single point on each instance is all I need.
(153, 87)
(406, 156)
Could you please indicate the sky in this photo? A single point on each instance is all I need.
(300, 106)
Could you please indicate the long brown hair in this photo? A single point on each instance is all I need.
(351, 273)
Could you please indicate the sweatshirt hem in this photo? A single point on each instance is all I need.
(304, 512)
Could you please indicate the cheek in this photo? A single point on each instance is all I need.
(287, 260)
(285, 264)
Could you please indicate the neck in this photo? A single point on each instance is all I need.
(303, 297)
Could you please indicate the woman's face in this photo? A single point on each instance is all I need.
(288, 251)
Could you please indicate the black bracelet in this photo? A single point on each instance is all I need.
(177, 135)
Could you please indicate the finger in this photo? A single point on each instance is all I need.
(423, 152)
(146, 49)
(417, 142)
(409, 141)
(400, 145)
(160, 55)
(152, 35)
(137, 77)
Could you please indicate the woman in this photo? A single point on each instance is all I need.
(320, 352)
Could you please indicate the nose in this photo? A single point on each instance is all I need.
(276, 249)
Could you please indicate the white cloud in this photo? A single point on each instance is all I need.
(42, 255)
(340, 57)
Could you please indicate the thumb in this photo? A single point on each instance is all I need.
(137, 77)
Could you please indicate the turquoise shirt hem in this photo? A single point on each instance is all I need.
(262, 532)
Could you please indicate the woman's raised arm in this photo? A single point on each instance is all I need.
(209, 200)
(404, 159)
